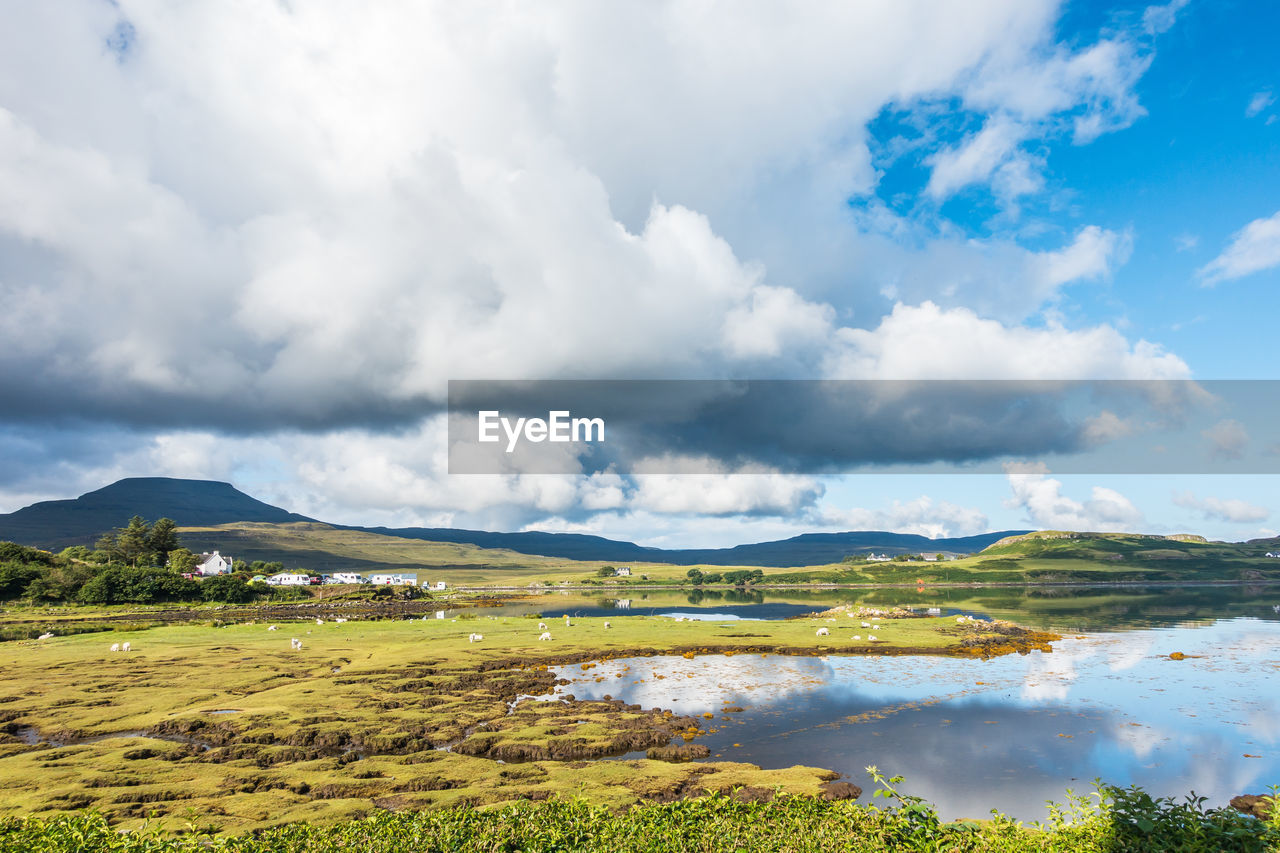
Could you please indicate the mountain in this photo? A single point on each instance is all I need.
(57, 524)
(205, 503)
(807, 549)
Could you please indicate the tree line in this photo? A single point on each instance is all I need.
(139, 563)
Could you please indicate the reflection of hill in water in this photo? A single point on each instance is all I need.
(1064, 608)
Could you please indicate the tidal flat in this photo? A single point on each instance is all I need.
(235, 725)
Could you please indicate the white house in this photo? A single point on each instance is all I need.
(438, 586)
(394, 580)
(348, 577)
(213, 564)
(1273, 554)
(878, 558)
(289, 579)
(623, 571)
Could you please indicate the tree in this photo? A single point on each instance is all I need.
(606, 572)
(133, 541)
(163, 538)
(228, 588)
(182, 561)
(694, 575)
(711, 577)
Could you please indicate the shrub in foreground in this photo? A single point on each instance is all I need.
(1112, 820)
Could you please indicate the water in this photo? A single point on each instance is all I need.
(1060, 608)
(1009, 733)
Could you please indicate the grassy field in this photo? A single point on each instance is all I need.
(232, 724)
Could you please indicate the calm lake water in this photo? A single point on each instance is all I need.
(1061, 608)
(1009, 733)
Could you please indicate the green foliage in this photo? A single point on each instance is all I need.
(1114, 820)
(163, 538)
(694, 575)
(11, 552)
(182, 561)
(227, 588)
(258, 567)
(606, 572)
(137, 585)
(712, 577)
(139, 543)
(15, 577)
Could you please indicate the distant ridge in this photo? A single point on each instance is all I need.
(57, 524)
(204, 503)
(807, 549)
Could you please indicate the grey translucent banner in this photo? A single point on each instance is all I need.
(880, 426)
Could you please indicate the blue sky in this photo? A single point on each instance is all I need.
(255, 246)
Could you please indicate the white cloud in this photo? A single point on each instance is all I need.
(1217, 509)
(1227, 439)
(1254, 248)
(1047, 508)
(1259, 102)
(922, 516)
(683, 486)
(495, 191)
(928, 342)
(1160, 19)
(975, 159)
(1107, 426)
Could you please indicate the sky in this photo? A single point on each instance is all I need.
(253, 241)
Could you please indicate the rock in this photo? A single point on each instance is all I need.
(1177, 656)
(1258, 805)
(840, 791)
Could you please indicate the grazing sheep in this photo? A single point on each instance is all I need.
(871, 637)
(115, 647)
(866, 624)
(340, 620)
(822, 632)
(124, 647)
(45, 636)
(959, 620)
(544, 636)
(857, 636)
(319, 621)
(875, 627)
(475, 638)
(542, 626)
(273, 628)
(607, 625)
(296, 644)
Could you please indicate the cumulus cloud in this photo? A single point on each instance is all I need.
(1041, 498)
(927, 341)
(709, 487)
(1218, 509)
(319, 237)
(1254, 248)
(922, 516)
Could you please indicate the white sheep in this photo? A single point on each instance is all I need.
(273, 628)
(875, 627)
(871, 637)
(475, 638)
(319, 621)
(866, 624)
(340, 620)
(607, 625)
(822, 632)
(296, 644)
(45, 636)
(542, 626)
(545, 635)
(124, 647)
(857, 636)
(959, 620)
(115, 647)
